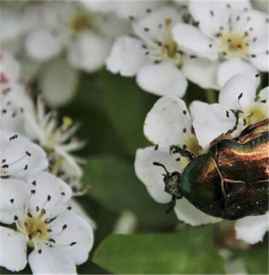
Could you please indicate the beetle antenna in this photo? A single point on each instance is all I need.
(161, 165)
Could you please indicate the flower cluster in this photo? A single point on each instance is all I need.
(226, 48)
(167, 47)
(41, 223)
(171, 126)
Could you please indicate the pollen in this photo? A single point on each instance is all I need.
(67, 122)
(232, 44)
(36, 229)
(256, 113)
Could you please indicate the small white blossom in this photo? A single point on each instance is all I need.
(132, 10)
(58, 141)
(239, 94)
(71, 38)
(230, 34)
(36, 214)
(151, 55)
(169, 125)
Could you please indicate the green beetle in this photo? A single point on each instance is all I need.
(229, 181)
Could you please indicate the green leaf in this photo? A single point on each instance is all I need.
(96, 129)
(113, 183)
(256, 259)
(126, 106)
(189, 252)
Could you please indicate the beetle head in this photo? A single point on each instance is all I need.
(171, 181)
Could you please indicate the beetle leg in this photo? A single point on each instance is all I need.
(174, 149)
(222, 180)
(234, 181)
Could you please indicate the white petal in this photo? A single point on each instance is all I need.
(211, 15)
(264, 95)
(252, 22)
(189, 214)
(98, 6)
(113, 27)
(50, 193)
(193, 41)
(201, 72)
(210, 121)
(79, 210)
(239, 92)
(166, 121)
(152, 23)
(252, 229)
(58, 82)
(51, 261)
(23, 157)
(261, 62)
(12, 249)
(13, 195)
(151, 175)
(78, 231)
(162, 79)
(43, 45)
(135, 9)
(126, 57)
(232, 67)
(89, 51)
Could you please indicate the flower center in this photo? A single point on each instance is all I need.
(256, 113)
(234, 44)
(79, 23)
(36, 229)
(164, 47)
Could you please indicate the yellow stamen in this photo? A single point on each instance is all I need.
(36, 229)
(234, 44)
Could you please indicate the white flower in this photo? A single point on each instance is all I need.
(152, 55)
(58, 141)
(239, 94)
(35, 214)
(231, 35)
(20, 157)
(252, 229)
(84, 38)
(170, 124)
(132, 10)
(14, 23)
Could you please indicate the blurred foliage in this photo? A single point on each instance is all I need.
(189, 252)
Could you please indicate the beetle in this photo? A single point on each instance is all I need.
(231, 180)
